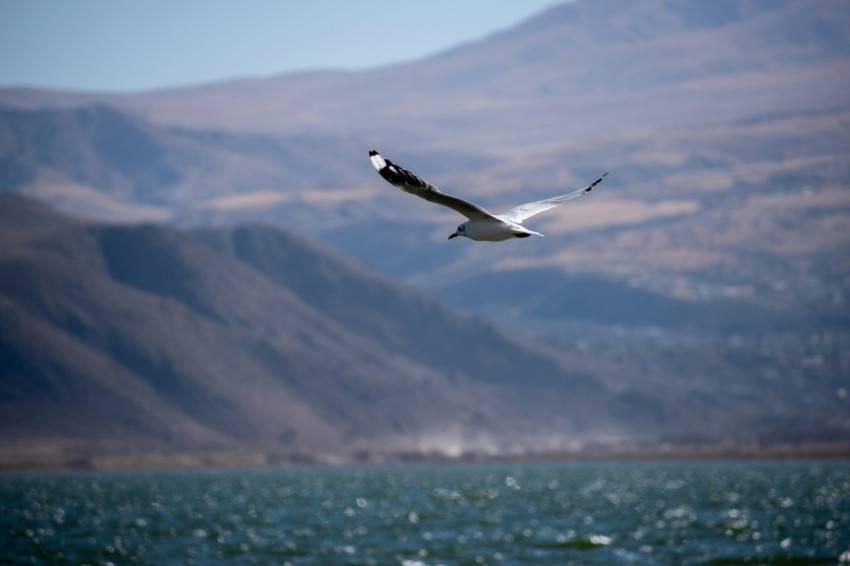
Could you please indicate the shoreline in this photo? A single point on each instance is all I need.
(23, 460)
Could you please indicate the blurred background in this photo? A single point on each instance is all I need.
(199, 265)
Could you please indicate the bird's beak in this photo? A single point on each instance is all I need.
(453, 235)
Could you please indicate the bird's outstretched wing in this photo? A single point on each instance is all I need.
(529, 209)
(410, 183)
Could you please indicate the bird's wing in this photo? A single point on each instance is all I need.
(529, 209)
(410, 183)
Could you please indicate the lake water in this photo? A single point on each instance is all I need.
(566, 513)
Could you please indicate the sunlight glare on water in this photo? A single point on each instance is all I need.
(589, 513)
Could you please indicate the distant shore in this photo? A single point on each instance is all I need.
(64, 459)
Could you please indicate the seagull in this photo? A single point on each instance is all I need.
(482, 225)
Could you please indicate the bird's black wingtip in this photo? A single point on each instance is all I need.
(372, 152)
(597, 181)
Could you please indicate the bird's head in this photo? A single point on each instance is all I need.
(461, 231)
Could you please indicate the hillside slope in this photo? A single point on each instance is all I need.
(147, 337)
(151, 336)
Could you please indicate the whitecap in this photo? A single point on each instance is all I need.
(600, 540)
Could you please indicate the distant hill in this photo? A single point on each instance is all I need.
(137, 338)
(581, 69)
(148, 336)
(707, 221)
(101, 162)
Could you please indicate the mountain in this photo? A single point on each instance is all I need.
(147, 336)
(737, 225)
(580, 69)
(123, 340)
(100, 162)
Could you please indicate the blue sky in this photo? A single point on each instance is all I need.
(138, 45)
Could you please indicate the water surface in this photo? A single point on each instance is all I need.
(577, 513)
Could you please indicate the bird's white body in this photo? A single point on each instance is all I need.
(482, 225)
(493, 230)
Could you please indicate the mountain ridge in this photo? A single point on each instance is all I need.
(146, 338)
(153, 326)
(517, 79)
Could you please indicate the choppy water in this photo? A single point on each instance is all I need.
(600, 513)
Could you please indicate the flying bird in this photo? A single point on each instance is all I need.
(482, 225)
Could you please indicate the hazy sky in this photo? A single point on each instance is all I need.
(133, 45)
